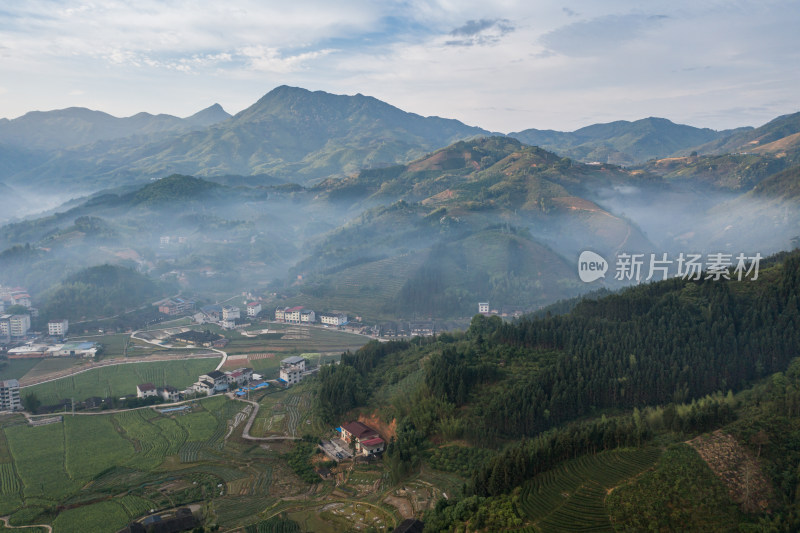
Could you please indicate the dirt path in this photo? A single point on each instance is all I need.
(246, 431)
(6, 524)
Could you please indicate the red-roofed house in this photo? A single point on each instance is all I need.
(358, 433)
(372, 446)
(292, 314)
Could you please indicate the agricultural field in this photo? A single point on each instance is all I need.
(283, 413)
(50, 366)
(343, 516)
(16, 368)
(571, 496)
(120, 380)
(140, 460)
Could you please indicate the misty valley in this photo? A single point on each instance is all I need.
(324, 313)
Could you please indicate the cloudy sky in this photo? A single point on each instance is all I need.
(504, 65)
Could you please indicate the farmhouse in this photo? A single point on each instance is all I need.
(169, 393)
(280, 314)
(9, 395)
(253, 308)
(333, 319)
(372, 446)
(367, 440)
(292, 315)
(292, 369)
(145, 390)
(204, 387)
(240, 376)
(218, 379)
(307, 316)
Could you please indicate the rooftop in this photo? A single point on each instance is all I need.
(146, 387)
(293, 360)
(357, 429)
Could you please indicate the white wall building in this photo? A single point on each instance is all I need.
(9, 395)
(483, 308)
(333, 319)
(145, 390)
(58, 328)
(292, 369)
(19, 325)
(307, 316)
(253, 308)
(292, 315)
(230, 313)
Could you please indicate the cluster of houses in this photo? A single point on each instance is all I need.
(15, 327)
(217, 381)
(208, 384)
(227, 316)
(300, 315)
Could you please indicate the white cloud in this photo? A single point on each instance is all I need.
(266, 59)
(505, 65)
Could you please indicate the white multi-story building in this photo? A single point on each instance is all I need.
(5, 328)
(253, 308)
(58, 328)
(9, 395)
(483, 308)
(145, 390)
(21, 298)
(292, 315)
(292, 369)
(333, 319)
(14, 326)
(307, 316)
(230, 313)
(240, 376)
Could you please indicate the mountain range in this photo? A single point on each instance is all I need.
(345, 202)
(299, 136)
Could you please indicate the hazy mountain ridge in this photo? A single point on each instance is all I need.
(620, 142)
(294, 135)
(750, 139)
(76, 126)
(290, 133)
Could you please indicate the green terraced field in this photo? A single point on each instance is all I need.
(570, 498)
